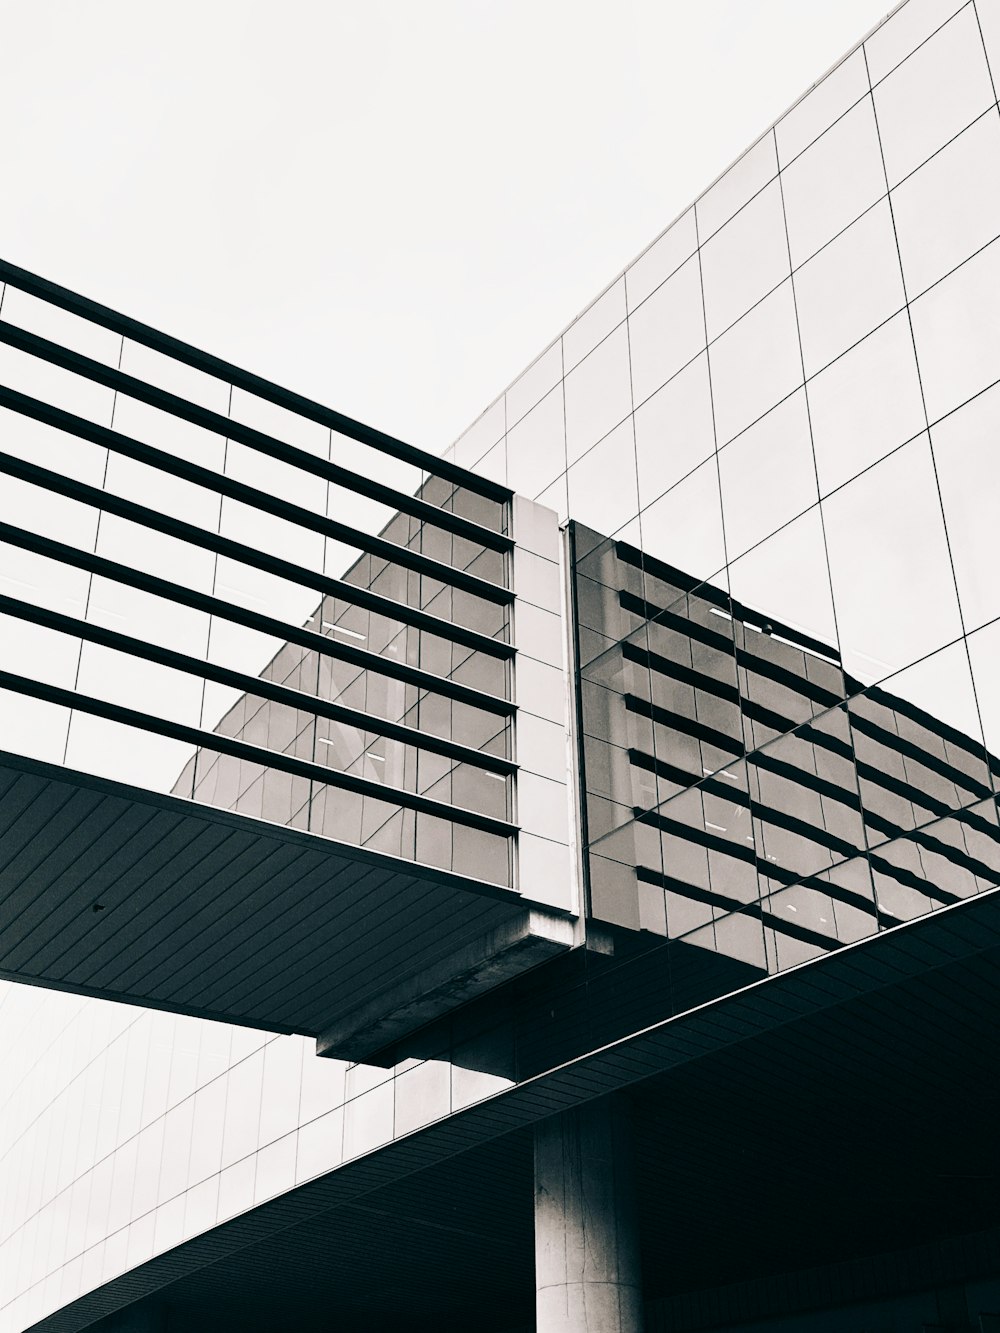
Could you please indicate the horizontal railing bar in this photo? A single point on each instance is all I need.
(256, 754)
(247, 555)
(361, 658)
(374, 545)
(253, 685)
(255, 384)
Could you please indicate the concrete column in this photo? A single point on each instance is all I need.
(587, 1277)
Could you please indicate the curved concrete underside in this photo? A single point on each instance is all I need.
(865, 1080)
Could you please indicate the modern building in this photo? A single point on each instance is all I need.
(554, 885)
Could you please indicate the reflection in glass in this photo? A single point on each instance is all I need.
(684, 527)
(749, 799)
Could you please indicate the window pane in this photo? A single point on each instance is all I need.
(865, 403)
(598, 396)
(594, 325)
(666, 331)
(767, 475)
(534, 384)
(536, 446)
(821, 106)
(951, 206)
(602, 485)
(741, 182)
(755, 364)
(968, 468)
(674, 431)
(786, 579)
(833, 182)
(656, 264)
(848, 288)
(903, 32)
(684, 527)
(956, 328)
(892, 583)
(744, 260)
(933, 95)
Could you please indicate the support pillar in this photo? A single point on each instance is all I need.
(587, 1277)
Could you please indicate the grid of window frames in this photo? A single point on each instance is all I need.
(748, 796)
(119, 1157)
(176, 611)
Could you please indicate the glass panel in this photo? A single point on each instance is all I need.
(968, 469)
(767, 475)
(849, 288)
(666, 331)
(988, 13)
(892, 583)
(666, 254)
(821, 106)
(739, 184)
(950, 207)
(865, 403)
(674, 430)
(984, 653)
(832, 184)
(602, 485)
(933, 95)
(918, 745)
(786, 580)
(536, 446)
(684, 527)
(957, 333)
(481, 436)
(903, 31)
(744, 260)
(534, 384)
(756, 363)
(598, 397)
(594, 325)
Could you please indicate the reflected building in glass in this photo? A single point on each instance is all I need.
(551, 885)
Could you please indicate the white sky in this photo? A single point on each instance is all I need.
(390, 205)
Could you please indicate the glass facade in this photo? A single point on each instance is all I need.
(775, 436)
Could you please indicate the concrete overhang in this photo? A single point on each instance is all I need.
(860, 1082)
(111, 891)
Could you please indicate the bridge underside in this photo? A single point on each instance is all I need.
(823, 1139)
(111, 891)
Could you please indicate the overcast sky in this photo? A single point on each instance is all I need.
(390, 205)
